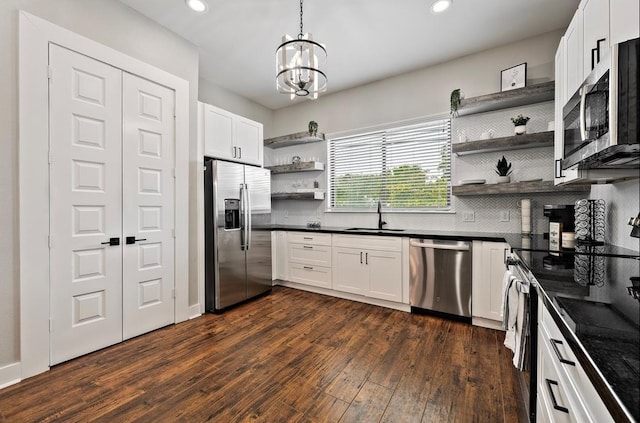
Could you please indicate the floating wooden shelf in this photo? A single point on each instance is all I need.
(296, 167)
(293, 139)
(514, 142)
(532, 187)
(315, 195)
(507, 99)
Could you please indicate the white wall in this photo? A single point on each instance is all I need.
(105, 21)
(424, 93)
(622, 201)
(211, 93)
(421, 93)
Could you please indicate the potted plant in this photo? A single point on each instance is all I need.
(520, 123)
(503, 169)
(456, 97)
(313, 128)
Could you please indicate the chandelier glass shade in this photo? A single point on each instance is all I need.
(298, 65)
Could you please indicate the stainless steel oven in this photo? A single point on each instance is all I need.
(601, 119)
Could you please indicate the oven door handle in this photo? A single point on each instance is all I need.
(583, 117)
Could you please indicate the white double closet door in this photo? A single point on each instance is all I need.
(112, 187)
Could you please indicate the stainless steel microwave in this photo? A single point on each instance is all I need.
(601, 119)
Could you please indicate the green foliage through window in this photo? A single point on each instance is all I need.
(406, 168)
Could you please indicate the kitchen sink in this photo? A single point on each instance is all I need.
(374, 230)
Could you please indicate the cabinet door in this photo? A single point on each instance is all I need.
(280, 256)
(488, 275)
(624, 20)
(385, 275)
(595, 26)
(560, 99)
(248, 141)
(574, 70)
(218, 133)
(349, 271)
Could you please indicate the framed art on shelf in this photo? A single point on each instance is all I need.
(513, 77)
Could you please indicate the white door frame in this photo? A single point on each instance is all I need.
(35, 34)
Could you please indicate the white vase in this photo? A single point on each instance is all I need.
(521, 129)
(504, 179)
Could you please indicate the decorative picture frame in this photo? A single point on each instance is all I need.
(513, 77)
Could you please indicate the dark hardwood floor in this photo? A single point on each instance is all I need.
(291, 356)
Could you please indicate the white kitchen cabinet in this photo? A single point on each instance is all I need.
(595, 32)
(488, 269)
(229, 136)
(309, 259)
(564, 392)
(624, 20)
(574, 70)
(279, 260)
(368, 265)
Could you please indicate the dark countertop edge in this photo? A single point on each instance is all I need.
(408, 233)
(615, 406)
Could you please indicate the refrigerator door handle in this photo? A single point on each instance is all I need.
(249, 220)
(243, 217)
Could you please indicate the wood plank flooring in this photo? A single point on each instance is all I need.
(291, 356)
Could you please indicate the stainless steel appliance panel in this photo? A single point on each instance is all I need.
(230, 280)
(237, 233)
(440, 276)
(258, 246)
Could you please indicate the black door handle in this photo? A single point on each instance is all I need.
(132, 239)
(112, 241)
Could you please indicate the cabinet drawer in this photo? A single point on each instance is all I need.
(310, 275)
(570, 369)
(368, 242)
(309, 238)
(318, 255)
(553, 392)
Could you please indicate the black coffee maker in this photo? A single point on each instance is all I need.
(561, 220)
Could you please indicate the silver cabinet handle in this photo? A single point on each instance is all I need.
(235, 152)
(366, 258)
(307, 247)
(239, 152)
(307, 267)
(553, 396)
(360, 257)
(307, 237)
(554, 345)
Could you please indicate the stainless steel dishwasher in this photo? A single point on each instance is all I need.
(440, 277)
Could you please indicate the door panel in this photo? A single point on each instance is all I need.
(349, 271)
(85, 174)
(230, 282)
(148, 205)
(259, 275)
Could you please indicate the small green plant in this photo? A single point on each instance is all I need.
(455, 101)
(313, 128)
(520, 120)
(503, 168)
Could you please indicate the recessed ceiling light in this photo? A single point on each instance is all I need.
(439, 6)
(197, 5)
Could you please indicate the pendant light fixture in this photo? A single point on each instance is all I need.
(298, 65)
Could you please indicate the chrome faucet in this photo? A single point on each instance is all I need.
(380, 221)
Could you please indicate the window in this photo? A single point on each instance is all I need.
(407, 168)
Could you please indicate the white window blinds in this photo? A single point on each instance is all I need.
(407, 168)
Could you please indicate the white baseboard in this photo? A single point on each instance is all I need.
(487, 323)
(195, 311)
(344, 295)
(10, 375)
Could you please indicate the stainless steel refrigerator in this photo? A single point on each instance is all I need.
(237, 233)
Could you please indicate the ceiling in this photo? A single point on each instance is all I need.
(366, 40)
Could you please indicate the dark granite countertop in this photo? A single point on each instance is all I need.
(587, 296)
(413, 233)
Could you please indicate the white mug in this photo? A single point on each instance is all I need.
(486, 135)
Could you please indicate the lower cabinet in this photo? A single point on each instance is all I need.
(488, 264)
(309, 259)
(375, 273)
(564, 392)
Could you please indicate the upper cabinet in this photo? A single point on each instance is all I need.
(624, 16)
(595, 30)
(229, 136)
